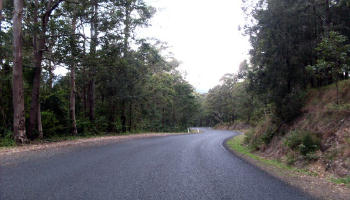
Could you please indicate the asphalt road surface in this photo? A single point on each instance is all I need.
(174, 167)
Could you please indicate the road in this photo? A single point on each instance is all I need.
(174, 167)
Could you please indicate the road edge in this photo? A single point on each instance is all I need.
(315, 187)
(265, 168)
(93, 141)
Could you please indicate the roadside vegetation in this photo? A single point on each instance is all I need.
(292, 97)
(239, 146)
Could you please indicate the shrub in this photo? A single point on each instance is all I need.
(303, 141)
(7, 140)
(311, 156)
(85, 127)
(50, 123)
(268, 135)
(291, 158)
(252, 140)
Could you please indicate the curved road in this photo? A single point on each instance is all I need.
(175, 167)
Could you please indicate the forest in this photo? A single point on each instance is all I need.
(297, 45)
(116, 81)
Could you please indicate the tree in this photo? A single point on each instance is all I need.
(72, 76)
(19, 130)
(333, 57)
(39, 42)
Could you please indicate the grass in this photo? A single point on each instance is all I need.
(345, 180)
(236, 144)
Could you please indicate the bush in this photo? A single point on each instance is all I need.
(85, 127)
(268, 135)
(291, 158)
(7, 140)
(303, 141)
(50, 123)
(252, 140)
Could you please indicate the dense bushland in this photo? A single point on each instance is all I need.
(116, 82)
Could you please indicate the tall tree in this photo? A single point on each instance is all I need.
(93, 45)
(39, 42)
(17, 78)
(72, 76)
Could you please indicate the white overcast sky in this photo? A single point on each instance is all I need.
(203, 35)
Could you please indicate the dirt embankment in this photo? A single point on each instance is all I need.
(328, 121)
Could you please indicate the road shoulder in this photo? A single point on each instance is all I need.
(308, 182)
(10, 151)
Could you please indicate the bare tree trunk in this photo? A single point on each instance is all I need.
(19, 130)
(72, 80)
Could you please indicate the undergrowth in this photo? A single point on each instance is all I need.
(237, 144)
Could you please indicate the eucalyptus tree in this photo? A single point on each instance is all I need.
(19, 129)
(41, 13)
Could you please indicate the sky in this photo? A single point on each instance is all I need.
(203, 35)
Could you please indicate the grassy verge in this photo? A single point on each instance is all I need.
(345, 181)
(236, 144)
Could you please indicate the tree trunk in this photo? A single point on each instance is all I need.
(123, 117)
(328, 16)
(19, 130)
(51, 75)
(93, 45)
(337, 86)
(130, 115)
(34, 108)
(40, 125)
(91, 99)
(127, 23)
(72, 80)
(39, 41)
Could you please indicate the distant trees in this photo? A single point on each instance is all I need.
(116, 82)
